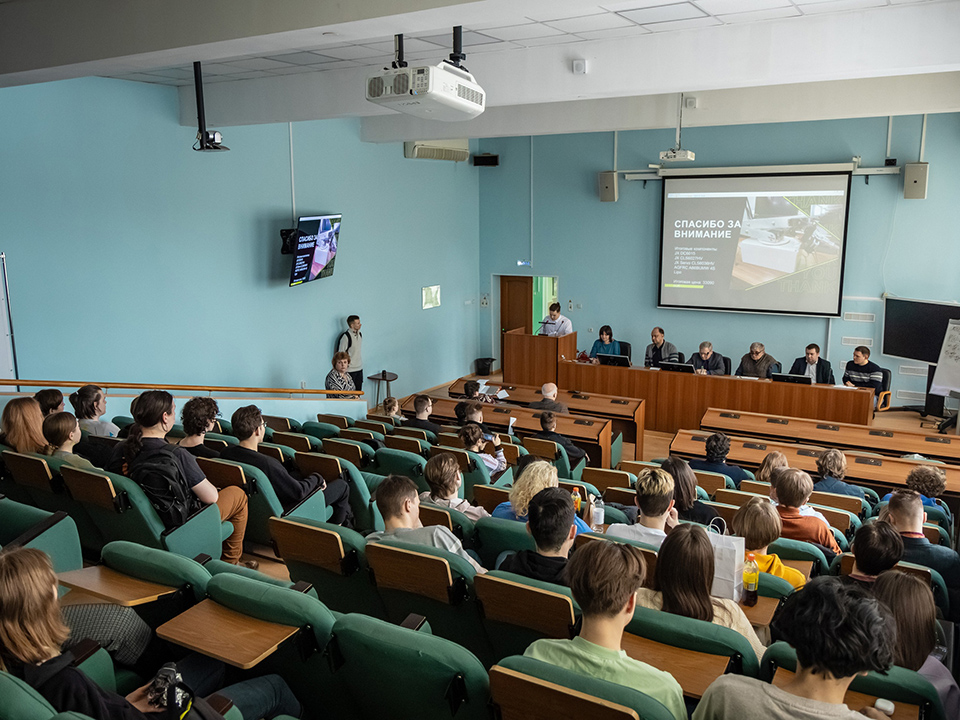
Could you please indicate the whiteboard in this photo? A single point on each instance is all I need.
(946, 379)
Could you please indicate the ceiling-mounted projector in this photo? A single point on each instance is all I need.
(433, 92)
(677, 155)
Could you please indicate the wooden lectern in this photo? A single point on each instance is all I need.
(532, 359)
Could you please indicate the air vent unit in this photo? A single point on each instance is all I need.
(913, 370)
(854, 341)
(455, 150)
(860, 317)
(910, 395)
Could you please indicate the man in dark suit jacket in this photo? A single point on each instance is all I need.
(548, 424)
(814, 366)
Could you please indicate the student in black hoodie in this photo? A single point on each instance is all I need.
(550, 521)
(548, 425)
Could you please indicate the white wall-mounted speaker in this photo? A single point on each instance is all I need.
(915, 181)
(609, 187)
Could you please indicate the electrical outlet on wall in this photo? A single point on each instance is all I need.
(569, 304)
(485, 300)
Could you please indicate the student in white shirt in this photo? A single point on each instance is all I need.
(656, 511)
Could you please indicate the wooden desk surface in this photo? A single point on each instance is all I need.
(855, 700)
(761, 614)
(106, 584)
(678, 400)
(628, 414)
(224, 634)
(749, 452)
(839, 435)
(804, 566)
(692, 669)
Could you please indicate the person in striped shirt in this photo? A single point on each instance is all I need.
(860, 372)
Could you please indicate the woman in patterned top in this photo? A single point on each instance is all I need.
(339, 378)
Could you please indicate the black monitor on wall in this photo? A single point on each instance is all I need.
(914, 329)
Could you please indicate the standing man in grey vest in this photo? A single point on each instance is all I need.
(350, 342)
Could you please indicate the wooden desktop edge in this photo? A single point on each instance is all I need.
(102, 582)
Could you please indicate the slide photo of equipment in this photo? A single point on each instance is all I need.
(782, 235)
(316, 253)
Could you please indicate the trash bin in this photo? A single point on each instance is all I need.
(485, 365)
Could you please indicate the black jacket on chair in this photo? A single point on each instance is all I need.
(824, 371)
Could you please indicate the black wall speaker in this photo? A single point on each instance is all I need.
(486, 160)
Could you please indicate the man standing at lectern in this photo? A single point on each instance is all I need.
(555, 324)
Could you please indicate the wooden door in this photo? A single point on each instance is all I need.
(516, 305)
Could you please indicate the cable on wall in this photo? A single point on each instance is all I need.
(293, 191)
(531, 204)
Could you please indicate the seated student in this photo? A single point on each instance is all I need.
(536, 476)
(423, 406)
(707, 362)
(717, 448)
(771, 461)
(758, 523)
(472, 437)
(838, 632)
(443, 475)
(198, 416)
(89, 405)
(604, 345)
(549, 392)
(62, 431)
(154, 414)
(832, 469)
(905, 513)
(22, 427)
(471, 391)
(793, 488)
(656, 513)
(399, 505)
(290, 487)
(682, 581)
(604, 578)
(471, 413)
(860, 372)
(32, 632)
(548, 431)
(391, 408)
(775, 473)
(685, 495)
(551, 523)
(928, 481)
(51, 401)
(910, 600)
(756, 363)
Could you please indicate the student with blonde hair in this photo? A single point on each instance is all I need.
(443, 475)
(832, 469)
(535, 477)
(391, 408)
(758, 523)
(771, 461)
(22, 426)
(656, 515)
(793, 488)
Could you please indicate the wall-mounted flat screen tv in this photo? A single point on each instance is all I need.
(318, 239)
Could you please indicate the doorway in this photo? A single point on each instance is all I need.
(524, 301)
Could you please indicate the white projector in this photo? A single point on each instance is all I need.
(432, 92)
(677, 155)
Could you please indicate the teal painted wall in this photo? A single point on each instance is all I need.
(133, 258)
(606, 255)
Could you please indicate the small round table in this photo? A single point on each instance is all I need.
(387, 377)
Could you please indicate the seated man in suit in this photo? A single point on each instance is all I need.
(814, 366)
(717, 447)
(399, 504)
(548, 425)
(550, 520)
(423, 406)
(604, 578)
(289, 486)
(549, 392)
(756, 363)
(706, 361)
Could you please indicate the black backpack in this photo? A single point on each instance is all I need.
(158, 474)
(336, 345)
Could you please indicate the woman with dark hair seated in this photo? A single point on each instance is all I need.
(604, 345)
(682, 581)
(89, 405)
(51, 401)
(199, 416)
(32, 633)
(685, 495)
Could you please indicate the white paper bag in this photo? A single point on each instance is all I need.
(728, 566)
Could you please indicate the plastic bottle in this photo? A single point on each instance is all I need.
(598, 515)
(751, 580)
(576, 500)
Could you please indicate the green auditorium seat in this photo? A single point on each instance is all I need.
(493, 536)
(429, 436)
(897, 685)
(360, 454)
(262, 501)
(53, 533)
(454, 520)
(282, 424)
(773, 586)
(557, 455)
(332, 559)
(388, 461)
(280, 453)
(228, 439)
(366, 516)
(301, 442)
(340, 421)
(430, 582)
(523, 688)
(440, 680)
(22, 702)
(787, 549)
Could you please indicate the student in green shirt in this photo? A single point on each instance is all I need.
(604, 578)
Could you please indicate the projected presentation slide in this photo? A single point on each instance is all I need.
(316, 248)
(754, 243)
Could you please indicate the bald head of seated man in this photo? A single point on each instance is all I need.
(549, 402)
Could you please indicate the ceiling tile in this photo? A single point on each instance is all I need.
(664, 13)
(352, 52)
(469, 38)
(142, 77)
(551, 40)
(758, 15)
(614, 33)
(604, 21)
(219, 69)
(339, 64)
(411, 44)
(257, 63)
(717, 7)
(840, 6)
(492, 47)
(561, 11)
(621, 5)
(501, 19)
(523, 32)
(297, 69)
(301, 58)
(250, 75)
(176, 73)
(689, 24)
